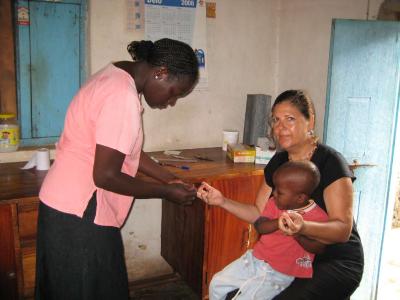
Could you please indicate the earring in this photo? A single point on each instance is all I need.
(156, 77)
(311, 132)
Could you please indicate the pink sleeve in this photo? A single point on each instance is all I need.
(119, 121)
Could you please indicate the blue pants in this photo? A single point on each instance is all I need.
(255, 279)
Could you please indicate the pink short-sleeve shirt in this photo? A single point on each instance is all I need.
(105, 111)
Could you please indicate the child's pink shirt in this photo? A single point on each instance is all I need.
(282, 252)
(106, 111)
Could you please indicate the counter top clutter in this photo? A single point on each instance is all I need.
(206, 163)
(196, 240)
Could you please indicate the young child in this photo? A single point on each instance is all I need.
(262, 273)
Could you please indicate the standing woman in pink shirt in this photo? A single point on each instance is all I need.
(89, 190)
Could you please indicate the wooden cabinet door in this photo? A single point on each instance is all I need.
(8, 268)
(27, 227)
(50, 55)
(226, 236)
(182, 240)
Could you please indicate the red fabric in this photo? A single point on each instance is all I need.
(283, 252)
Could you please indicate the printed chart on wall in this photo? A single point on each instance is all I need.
(183, 20)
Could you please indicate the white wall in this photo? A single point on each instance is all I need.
(242, 59)
(255, 46)
(304, 40)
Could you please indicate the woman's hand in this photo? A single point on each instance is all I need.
(210, 195)
(291, 223)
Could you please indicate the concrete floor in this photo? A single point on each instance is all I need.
(166, 287)
(389, 288)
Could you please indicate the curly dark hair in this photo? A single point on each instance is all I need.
(178, 57)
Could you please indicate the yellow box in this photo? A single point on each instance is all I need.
(240, 153)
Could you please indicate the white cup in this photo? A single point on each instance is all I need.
(229, 137)
(42, 159)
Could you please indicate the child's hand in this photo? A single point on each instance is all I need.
(291, 222)
(210, 195)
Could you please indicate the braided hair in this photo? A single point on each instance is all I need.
(178, 57)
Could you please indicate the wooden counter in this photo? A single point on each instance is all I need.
(196, 240)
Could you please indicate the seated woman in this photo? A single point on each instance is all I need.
(338, 270)
(277, 257)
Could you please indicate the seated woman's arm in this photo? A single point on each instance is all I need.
(310, 245)
(263, 225)
(247, 212)
(338, 197)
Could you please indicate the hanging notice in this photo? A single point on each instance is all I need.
(183, 20)
(22, 15)
(135, 15)
(170, 18)
(200, 44)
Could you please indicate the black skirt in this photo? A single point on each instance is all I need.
(77, 259)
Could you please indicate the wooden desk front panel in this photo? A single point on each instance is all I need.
(192, 233)
(228, 237)
(200, 240)
(8, 266)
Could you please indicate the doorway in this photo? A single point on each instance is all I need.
(361, 121)
(389, 281)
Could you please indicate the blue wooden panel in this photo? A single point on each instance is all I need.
(55, 64)
(356, 129)
(23, 76)
(356, 204)
(360, 120)
(26, 68)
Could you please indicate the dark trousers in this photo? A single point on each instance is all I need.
(77, 259)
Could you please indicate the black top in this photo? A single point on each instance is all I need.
(332, 166)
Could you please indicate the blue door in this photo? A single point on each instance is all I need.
(360, 122)
(50, 59)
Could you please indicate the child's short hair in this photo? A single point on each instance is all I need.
(307, 174)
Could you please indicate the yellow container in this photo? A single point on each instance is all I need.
(240, 153)
(9, 133)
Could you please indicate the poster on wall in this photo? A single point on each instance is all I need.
(183, 20)
(135, 15)
(23, 15)
(170, 18)
(200, 44)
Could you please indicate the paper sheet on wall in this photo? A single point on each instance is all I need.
(183, 20)
(200, 44)
(135, 16)
(170, 18)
